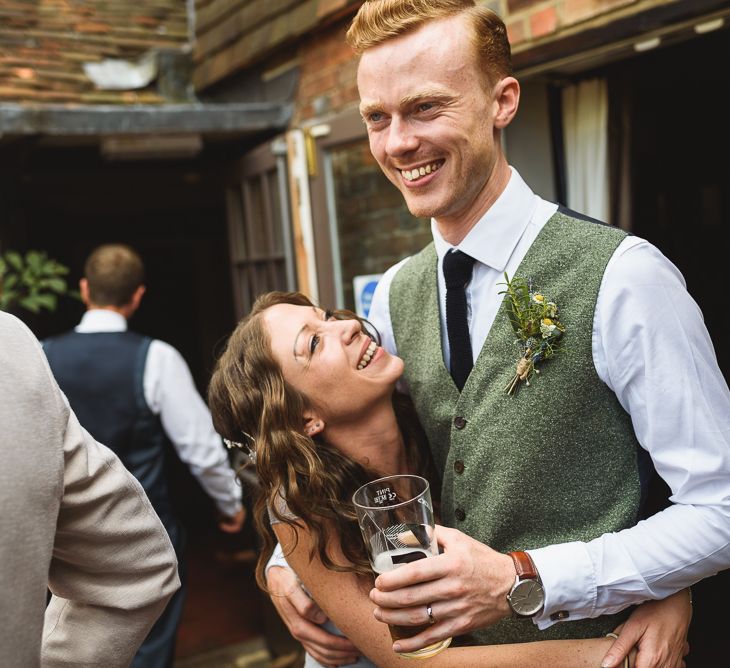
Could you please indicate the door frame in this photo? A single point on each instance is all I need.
(322, 139)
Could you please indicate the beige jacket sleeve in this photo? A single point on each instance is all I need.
(113, 568)
(74, 521)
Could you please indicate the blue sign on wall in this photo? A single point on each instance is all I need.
(364, 287)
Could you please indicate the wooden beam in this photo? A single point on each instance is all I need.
(143, 40)
(253, 46)
(614, 31)
(215, 11)
(257, 30)
(246, 19)
(19, 119)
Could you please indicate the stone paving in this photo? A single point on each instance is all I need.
(250, 654)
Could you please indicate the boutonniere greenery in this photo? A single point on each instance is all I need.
(537, 325)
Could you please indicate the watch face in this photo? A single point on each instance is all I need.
(527, 598)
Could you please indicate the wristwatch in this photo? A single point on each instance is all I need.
(527, 597)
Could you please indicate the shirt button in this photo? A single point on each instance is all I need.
(560, 615)
(459, 422)
(460, 514)
(459, 466)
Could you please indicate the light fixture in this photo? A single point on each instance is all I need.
(151, 147)
(647, 44)
(709, 26)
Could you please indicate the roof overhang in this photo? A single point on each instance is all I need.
(595, 45)
(103, 120)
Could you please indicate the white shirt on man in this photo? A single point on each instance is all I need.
(170, 392)
(651, 347)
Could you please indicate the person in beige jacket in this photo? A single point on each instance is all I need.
(73, 521)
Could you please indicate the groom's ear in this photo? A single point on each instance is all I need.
(313, 424)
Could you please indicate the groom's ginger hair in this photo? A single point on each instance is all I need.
(380, 20)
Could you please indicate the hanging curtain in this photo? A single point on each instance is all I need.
(619, 153)
(585, 137)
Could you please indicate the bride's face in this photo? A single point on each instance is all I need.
(336, 365)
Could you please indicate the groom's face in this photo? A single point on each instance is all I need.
(429, 117)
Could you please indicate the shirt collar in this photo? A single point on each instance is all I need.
(494, 238)
(101, 320)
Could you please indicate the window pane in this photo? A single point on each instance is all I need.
(237, 237)
(274, 197)
(256, 218)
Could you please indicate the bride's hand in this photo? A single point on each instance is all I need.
(658, 629)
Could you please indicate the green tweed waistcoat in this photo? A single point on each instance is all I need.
(556, 461)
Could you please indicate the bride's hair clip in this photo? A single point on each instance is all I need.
(248, 449)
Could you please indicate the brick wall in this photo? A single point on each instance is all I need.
(328, 69)
(375, 228)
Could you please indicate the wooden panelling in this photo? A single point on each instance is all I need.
(234, 34)
(245, 18)
(215, 11)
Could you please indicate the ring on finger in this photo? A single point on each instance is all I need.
(429, 612)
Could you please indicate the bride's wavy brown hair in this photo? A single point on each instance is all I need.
(248, 393)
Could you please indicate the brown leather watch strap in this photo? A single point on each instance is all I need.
(524, 565)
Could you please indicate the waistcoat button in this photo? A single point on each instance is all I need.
(459, 514)
(459, 466)
(459, 422)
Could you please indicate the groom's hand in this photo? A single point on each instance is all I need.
(303, 618)
(466, 586)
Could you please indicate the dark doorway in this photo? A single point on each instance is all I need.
(66, 201)
(680, 140)
(171, 213)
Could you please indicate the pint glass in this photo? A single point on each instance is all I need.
(396, 519)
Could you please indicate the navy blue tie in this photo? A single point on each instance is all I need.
(457, 272)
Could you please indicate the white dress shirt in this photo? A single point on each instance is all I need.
(170, 392)
(651, 347)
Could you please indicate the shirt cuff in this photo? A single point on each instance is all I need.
(230, 501)
(229, 508)
(277, 558)
(569, 581)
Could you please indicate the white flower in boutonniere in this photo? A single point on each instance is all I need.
(538, 327)
(547, 327)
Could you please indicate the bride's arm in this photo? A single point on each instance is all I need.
(345, 600)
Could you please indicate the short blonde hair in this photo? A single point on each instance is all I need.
(113, 272)
(380, 20)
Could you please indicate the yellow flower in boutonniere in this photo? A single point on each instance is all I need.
(536, 323)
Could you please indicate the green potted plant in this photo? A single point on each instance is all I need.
(32, 282)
